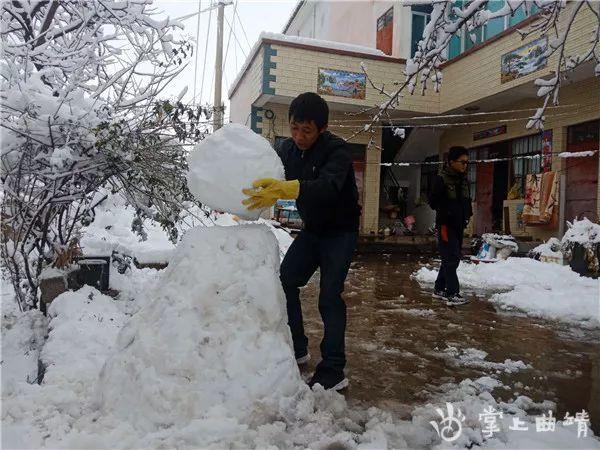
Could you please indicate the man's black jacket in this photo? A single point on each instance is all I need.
(449, 196)
(328, 200)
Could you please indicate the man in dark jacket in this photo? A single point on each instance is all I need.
(320, 176)
(451, 200)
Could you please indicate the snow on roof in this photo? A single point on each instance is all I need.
(317, 43)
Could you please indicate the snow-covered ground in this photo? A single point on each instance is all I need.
(75, 407)
(540, 289)
(199, 356)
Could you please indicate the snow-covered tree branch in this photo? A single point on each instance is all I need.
(552, 18)
(80, 112)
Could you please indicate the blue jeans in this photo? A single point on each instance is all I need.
(332, 253)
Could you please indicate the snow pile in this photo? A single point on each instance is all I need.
(584, 232)
(111, 231)
(74, 316)
(22, 338)
(540, 289)
(228, 161)
(213, 345)
(83, 327)
(551, 248)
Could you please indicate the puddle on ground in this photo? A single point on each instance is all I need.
(397, 333)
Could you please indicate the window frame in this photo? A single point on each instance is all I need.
(464, 33)
(527, 166)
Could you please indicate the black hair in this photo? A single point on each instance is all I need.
(456, 152)
(309, 107)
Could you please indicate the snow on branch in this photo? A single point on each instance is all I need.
(80, 113)
(554, 19)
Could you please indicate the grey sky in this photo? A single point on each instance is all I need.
(256, 16)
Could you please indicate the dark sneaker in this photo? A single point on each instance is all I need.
(303, 359)
(329, 379)
(455, 300)
(439, 294)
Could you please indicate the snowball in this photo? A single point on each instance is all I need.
(214, 340)
(228, 161)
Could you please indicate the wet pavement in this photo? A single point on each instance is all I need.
(398, 335)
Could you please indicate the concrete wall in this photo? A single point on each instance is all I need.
(248, 91)
(353, 22)
(297, 71)
(477, 75)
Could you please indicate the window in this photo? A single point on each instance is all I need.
(494, 26)
(462, 41)
(420, 16)
(585, 132)
(385, 31)
(527, 146)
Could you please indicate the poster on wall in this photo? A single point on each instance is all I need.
(547, 150)
(524, 60)
(340, 83)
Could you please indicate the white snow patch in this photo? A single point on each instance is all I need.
(111, 231)
(550, 248)
(541, 289)
(584, 232)
(22, 339)
(472, 357)
(577, 154)
(226, 162)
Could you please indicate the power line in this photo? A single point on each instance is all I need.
(205, 53)
(586, 154)
(235, 37)
(243, 31)
(197, 52)
(440, 116)
(228, 38)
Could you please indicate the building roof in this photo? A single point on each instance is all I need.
(293, 16)
(311, 44)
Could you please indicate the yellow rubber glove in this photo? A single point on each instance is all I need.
(266, 191)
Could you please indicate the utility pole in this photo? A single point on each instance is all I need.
(218, 104)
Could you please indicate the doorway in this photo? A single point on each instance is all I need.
(582, 173)
(492, 188)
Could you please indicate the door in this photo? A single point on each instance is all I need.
(582, 173)
(485, 184)
(500, 190)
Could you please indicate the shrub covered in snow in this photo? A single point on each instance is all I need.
(77, 116)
